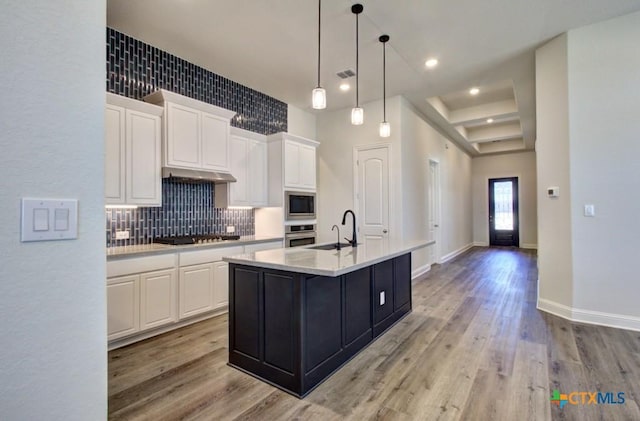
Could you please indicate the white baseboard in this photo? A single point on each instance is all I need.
(420, 271)
(529, 246)
(480, 244)
(592, 317)
(455, 253)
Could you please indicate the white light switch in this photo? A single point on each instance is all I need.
(49, 219)
(382, 298)
(589, 210)
(61, 219)
(41, 219)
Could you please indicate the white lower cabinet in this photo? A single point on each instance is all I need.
(220, 284)
(157, 298)
(196, 290)
(123, 306)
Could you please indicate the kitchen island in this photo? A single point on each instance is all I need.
(297, 315)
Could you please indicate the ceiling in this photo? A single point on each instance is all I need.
(271, 46)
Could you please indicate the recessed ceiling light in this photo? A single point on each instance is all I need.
(344, 86)
(474, 91)
(431, 63)
(489, 120)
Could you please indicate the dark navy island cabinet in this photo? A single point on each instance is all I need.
(293, 330)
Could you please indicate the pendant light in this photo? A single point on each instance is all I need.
(357, 113)
(319, 95)
(385, 128)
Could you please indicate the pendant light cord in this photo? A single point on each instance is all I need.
(384, 81)
(357, 68)
(319, 12)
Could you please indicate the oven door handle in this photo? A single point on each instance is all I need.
(305, 234)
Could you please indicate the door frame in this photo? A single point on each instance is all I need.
(438, 233)
(517, 218)
(356, 202)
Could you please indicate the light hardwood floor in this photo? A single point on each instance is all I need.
(474, 348)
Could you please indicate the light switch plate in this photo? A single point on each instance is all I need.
(49, 219)
(382, 298)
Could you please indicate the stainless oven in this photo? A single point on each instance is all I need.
(299, 235)
(299, 205)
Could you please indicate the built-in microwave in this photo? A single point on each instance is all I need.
(299, 205)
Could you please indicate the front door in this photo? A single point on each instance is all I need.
(503, 212)
(373, 192)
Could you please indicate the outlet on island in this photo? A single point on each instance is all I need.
(231, 229)
(122, 235)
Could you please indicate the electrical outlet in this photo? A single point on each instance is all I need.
(382, 298)
(122, 235)
(231, 229)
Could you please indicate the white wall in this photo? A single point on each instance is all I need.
(301, 123)
(555, 270)
(604, 122)
(413, 141)
(337, 138)
(420, 143)
(52, 294)
(521, 165)
(588, 88)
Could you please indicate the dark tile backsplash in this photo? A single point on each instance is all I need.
(135, 69)
(186, 209)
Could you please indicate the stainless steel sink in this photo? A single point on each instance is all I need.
(331, 246)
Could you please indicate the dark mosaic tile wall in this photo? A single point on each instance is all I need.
(186, 209)
(135, 69)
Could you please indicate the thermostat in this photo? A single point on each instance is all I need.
(553, 191)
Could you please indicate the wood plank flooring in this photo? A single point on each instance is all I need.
(474, 348)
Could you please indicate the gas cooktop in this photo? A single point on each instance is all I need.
(195, 239)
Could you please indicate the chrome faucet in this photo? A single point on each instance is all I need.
(338, 242)
(354, 240)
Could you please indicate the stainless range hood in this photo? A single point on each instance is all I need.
(197, 176)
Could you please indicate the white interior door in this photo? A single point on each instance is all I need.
(433, 218)
(372, 192)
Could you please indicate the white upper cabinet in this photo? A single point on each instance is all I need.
(258, 174)
(215, 142)
(132, 152)
(248, 164)
(196, 133)
(292, 165)
(182, 128)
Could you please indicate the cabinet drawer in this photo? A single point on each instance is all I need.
(198, 257)
(140, 264)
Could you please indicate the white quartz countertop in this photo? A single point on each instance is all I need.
(151, 249)
(329, 262)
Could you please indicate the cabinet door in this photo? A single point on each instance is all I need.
(215, 143)
(196, 290)
(307, 167)
(123, 306)
(239, 191)
(183, 136)
(220, 284)
(258, 174)
(402, 281)
(291, 164)
(157, 298)
(144, 185)
(114, 147)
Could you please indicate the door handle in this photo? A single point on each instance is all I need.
(384, 231)
(436, 225)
